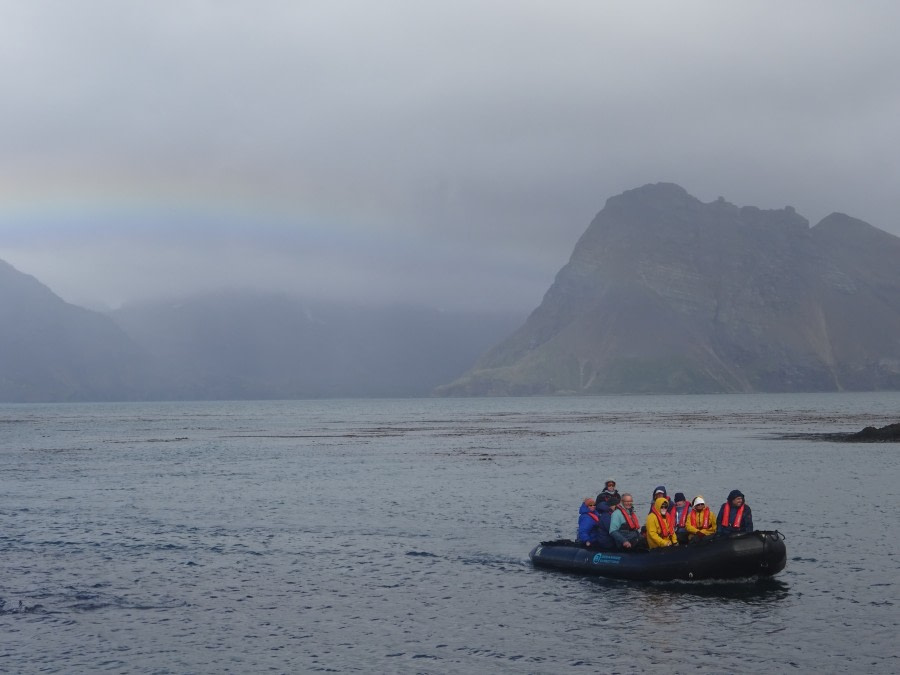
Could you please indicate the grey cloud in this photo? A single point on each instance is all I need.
(453, 150)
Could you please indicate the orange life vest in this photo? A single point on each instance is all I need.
(631, 519)
(726, 514)
(594, 516)
(670, 514)
(682, 519)
(693, 518)
(665, 527)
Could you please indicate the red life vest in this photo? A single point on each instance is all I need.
(665, 527)
(594, 516)
(631, 519)
(670, 514)
(726, 515)
(693, 517)
(682, 519)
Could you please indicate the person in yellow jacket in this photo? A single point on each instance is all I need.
(701, 522)
(659, 528)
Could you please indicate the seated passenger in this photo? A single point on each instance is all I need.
(659, 491)
(660, 532)
(735, 515)
(679, 513)
(609, 493)
(624, 525)
(601, 538)
(587, 521)
(700, 522)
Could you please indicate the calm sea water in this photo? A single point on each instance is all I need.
(392, 536)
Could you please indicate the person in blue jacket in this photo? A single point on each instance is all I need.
(588, 519)
(734, 515)
(593, 525)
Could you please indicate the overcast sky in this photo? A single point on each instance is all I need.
(445, 153)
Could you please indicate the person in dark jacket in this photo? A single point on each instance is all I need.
(609, 493)
(659, 491)
(734, 515)
(602, 538)
(680, 511)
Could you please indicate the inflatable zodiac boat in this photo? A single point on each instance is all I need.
(750, 554)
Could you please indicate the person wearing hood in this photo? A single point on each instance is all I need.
(660, 532)
(588, 521)
(734, 515)
(609, 493)
(700, 521)
(659, 491)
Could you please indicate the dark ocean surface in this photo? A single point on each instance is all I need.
(393, 536)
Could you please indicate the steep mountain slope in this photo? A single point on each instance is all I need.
(664, 293)
(53, 351)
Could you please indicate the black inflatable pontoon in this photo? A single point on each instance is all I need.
(759, 553)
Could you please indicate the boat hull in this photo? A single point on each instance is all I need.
(731, 557)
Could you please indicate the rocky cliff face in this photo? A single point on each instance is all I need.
(664, 293)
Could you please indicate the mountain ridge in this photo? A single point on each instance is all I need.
(662, 293)
(236, 345)
(666, 294)
(47, 345)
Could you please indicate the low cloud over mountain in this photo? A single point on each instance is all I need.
(229, 345)
(663, 293)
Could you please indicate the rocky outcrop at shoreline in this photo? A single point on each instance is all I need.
(886, 434)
